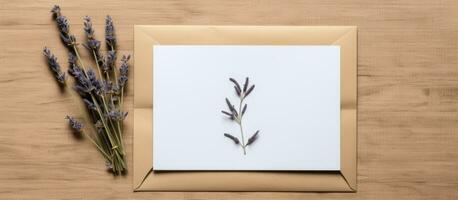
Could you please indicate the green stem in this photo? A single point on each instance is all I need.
(98, 146)
(113, 143)
(120, 102)
(79, 59)
(97, 63)
(240, 124)
(115, 146)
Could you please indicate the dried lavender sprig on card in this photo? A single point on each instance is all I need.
(253, 138)
(233, 138)
(237, 116)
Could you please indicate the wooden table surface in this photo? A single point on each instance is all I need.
(407, 94)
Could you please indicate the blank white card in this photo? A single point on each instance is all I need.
(295, 106)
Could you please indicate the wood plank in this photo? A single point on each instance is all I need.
(407, 94)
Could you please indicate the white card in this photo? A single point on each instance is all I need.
(295, 105)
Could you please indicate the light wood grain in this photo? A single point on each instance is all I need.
(407, 94)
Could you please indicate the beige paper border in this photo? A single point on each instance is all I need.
(147, 36)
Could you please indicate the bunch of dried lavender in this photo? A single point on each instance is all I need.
(101, 90)
(237, 116)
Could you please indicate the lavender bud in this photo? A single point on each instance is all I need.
(93, 45)
(55, 11)
(231, 107)
(62, 24)
(88, 29)
(69, 40)
(253, 138)
(109, 62)
(117, 115)
(228, 114)
(123, 71)
(77, 126)
(249, 90)
(83, 85)
(90, 105)
(95, 82)
(110, 36)
(54, 65)
(107, 86)
(124, 68)
(233, 138)
(236, 85)
(244, 109)
(237, 90)
(245, 86)
(122, 80)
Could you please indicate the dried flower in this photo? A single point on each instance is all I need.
(91, 44)
(244, 109)
(90, 105)
(64, 27)
(72, 59)
(55, 11)
(231, 108)
(124, 68)
(83, 84)
(228, 114)
(245, 86)
(99, 93)
(88, 27)
(107, 87)
(54, 65)
(117, 115)
(110, 36)
(234, 114)
(76, 125)
(62, 23)
(249, 91)
(97, 85)
(233, 138)
(123, 71)
(109, 61)
(252, 138)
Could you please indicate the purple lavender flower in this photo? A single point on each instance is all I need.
(76, 125)
(107, 86)
(123, 71)
(64, 27)
(88, 29)
(92, 43)
(117, 115)
(55, 11)
(95, 82)
(54, 65)
(110, 36)
(124, 68)
(90, 105)
(83, 84)
(109, 62)
(72, 59)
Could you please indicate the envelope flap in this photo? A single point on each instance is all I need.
(143, 78)
(348, 106)
(253, 35)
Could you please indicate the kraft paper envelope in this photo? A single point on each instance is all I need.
(145, 179)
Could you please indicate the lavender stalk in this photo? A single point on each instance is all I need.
(237, 116)
(98, 92)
